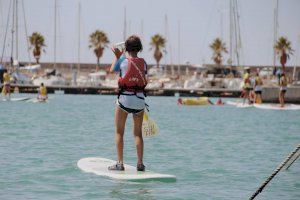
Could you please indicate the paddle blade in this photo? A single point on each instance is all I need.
(146, 116)
(149, 127)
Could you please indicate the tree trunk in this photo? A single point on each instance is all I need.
(98, 52)
(157, 55)
(98, 64)
(37, 54)
(283, 59)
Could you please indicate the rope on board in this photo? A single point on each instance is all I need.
(260, 189)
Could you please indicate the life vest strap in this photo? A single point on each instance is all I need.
(121, 92)
(135, 89)
(147, 107)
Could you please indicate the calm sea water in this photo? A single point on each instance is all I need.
(216, 152)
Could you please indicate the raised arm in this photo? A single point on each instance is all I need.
(118, 54)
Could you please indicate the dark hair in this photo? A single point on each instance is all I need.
(133, 44)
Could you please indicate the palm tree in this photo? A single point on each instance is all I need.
(284, 50)
(98, 41)
(37, 43)
(158, 42)
(218, 47)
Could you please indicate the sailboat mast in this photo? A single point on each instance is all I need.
(275, 32)
(178, 47)
(12, 33)
(55, 13)
(129, 27)
(5, 34)
(230, 31)
(238, 33)
(142, 29)
(17, 32)
(79, 27)
(125, 26)
(239, 39)
(169, 47)
(1, 15)
(235, 32)
(166, 36)
(142, 33)
(221, 23)
(26, 33)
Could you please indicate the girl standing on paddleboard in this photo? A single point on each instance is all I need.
(6, 85)
(131, 97)
(282, 89)
(247, 86)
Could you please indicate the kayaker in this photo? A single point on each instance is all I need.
(219, 102)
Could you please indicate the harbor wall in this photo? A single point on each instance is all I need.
(271, 95)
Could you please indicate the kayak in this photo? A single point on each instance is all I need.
(195, 101)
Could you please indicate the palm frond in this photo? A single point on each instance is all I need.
(158, 41)
(283, 46)
(98, 39)
(218, 47)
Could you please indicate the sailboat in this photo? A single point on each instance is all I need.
(92, 79)
(52, 77)
(14, 66)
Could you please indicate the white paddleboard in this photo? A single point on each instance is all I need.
(277, 106)
(244, 105)
(35, 100)
(20, 99)
(99, 166)
(232, 103)
(239, 104)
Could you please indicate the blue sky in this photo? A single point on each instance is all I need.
(200, 22)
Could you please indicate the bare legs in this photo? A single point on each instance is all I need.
(120, 120)
(137, 132)
(246, 96)
(281, 98)
(6, 92)
(257, 98)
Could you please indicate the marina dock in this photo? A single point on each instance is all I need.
(210, 92)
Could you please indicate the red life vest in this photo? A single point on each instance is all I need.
(134, 79)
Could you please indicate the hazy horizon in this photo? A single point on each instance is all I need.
(200, 23)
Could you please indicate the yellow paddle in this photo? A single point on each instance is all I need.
(149, 126)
